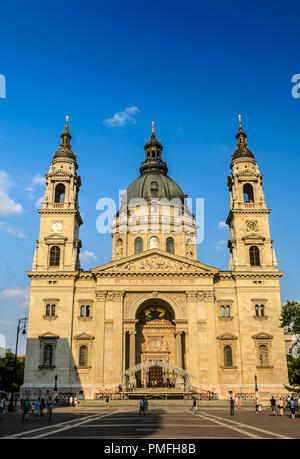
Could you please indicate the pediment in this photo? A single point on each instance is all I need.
(262, 335)
(227, 336)
(48, 335)
(253, 237)
(84, 336)
(55, 237)
(155, 261)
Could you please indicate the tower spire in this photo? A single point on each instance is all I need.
(241, 149)
(65, 148)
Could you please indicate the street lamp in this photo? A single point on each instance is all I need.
(21, 323)
(255, 382)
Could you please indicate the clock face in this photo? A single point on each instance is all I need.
(252, 226)
(57, 227)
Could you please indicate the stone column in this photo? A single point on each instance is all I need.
(132, 335)
(178, 349)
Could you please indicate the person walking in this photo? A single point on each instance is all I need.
(26, 408)
(240, 402)
(146, 404)
(49, 408)
(107, 402)
(293, 407)
(231, 406)
(43, 406)
(33, 409)
(257, 405)
(37, 409)
(194, 406)
(280, 406)
(142, 408)
(273, 405)
(2, 406)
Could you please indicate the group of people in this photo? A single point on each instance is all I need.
(36, 408)
(283, 403)
(144, 404)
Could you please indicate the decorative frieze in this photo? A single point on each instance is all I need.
(200, 295)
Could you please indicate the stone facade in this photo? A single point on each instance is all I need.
(154, 314)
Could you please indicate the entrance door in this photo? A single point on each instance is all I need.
(155, 377)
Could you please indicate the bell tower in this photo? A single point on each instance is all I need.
(58, 245)
(250, 244)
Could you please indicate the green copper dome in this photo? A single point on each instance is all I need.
(154, 183)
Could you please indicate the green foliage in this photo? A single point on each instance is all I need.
(9, 381)
(290, 316)
(293, 364)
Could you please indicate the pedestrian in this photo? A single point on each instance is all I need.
(142, 408)
(194, 406)
(71, 401)
(2, 406)
(43, 406)
(240, 402)
(49, 408)
(26, 408)
(273, 405)
(146, 404)
(293, 407)
(280, 406)
(231, 406)
(32, 408)
(37, 409)
(257, 405)
(236, 400)
(107, 402)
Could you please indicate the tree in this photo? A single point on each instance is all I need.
(7, 380)
(290, 316)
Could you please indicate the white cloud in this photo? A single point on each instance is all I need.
(221, 245)
(39, 201)
(17, 295)
(12, 231)
(222, 225)
(38, 180)
(122, 118)
(88, 257)
(7, 205)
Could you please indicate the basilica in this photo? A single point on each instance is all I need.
(155, 316)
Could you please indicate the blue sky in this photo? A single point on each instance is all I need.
(192, 67)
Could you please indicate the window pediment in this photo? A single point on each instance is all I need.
(262, 335)
(227, 336)
(253, 238)
(48, 335)
(84, 336)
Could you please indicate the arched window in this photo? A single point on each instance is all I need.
(83, 355)
(227, 311)
(254, 256)
(48, 310)
(262, 310)
(54, 256)
(257, 310)
(138, 245)
(48, 355)
(87, 311)
(222, 311)
(227, 356)
(60, 193)
(170, 245)
(248, 193)
(81, 311)
(263, 355)
(53, 310)
(154, 243)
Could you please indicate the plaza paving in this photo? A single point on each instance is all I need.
(167, 423)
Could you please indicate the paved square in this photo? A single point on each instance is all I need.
(168, 423)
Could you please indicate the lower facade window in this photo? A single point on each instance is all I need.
(259, 310)
(83, 356)
(228, 356)
(48, 355)
(50, 310)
